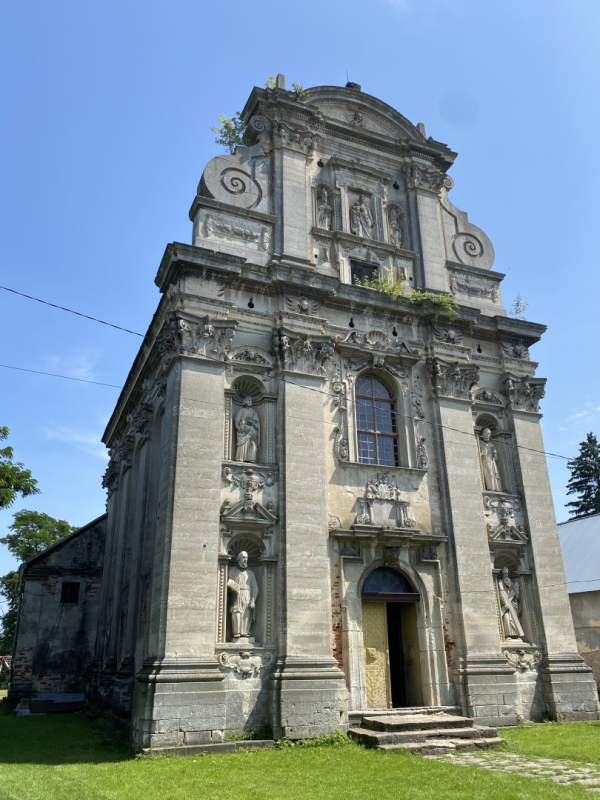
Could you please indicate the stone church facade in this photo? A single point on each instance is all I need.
(322, 499)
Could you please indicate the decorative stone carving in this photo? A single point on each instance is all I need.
(298, 139)
(419, 176)
(249, 356)
(350, 549)
(522, 659)
(509, 592)
(209, 339)
(506, 531)
(341, 446)
(448, 334)
(302, 355)
(427, 553)
(525, 393)
(474, 287)
(422, 457)
(450, 380)
(356, 118)
(486, 395)
(489, 462)
(248, 663)
(143, 423)
(302, 305)
(232, 227)
(395, 225)
(515, 350)
(383, 505)
(244, 590)
(417, 398)
(247, 425)
(391, 554)
(324, 210)
(249, 479)
(361, 219)
(110, 479)
(228, 180)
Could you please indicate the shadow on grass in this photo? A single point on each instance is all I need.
(60, 739)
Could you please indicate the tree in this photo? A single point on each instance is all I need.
(585, 479)
(518, 308)
(32, 532)
(14, 478)
(231, 133)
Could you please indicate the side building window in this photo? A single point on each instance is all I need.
(69, 592)
(376, 426)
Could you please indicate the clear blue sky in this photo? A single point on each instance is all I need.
(107, 111)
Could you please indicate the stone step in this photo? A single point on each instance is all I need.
(218, 747)
(356, 717)
(408, 722)
(431, 747)
(379, 738)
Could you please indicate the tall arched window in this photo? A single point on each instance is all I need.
(376, 422)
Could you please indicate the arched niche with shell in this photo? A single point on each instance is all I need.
(250, 396)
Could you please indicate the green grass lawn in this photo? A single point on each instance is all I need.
(72, 757)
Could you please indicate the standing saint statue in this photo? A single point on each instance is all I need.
(324, 212)
(489, 462)
(509, 592)
(244, 589)
(361, 218)
(247, 426)
(395, 223)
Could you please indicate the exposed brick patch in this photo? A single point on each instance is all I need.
(336, 616)
(449, 645)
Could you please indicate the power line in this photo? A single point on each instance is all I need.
(283, 380)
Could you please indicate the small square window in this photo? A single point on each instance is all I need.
(359, 270)
(69, 592)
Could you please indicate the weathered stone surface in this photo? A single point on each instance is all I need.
(393, 506)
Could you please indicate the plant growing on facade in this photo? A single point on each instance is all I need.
(518, 308)
(270, 84)
(300, 93)
(231, 131)
(395, 289)
(585, 479)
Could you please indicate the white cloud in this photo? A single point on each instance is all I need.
(77, 365)
(86, 441)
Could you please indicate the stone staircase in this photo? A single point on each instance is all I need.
(430, 732)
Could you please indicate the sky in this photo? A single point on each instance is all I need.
(108, 109)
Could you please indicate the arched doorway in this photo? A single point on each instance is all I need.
(392, 665)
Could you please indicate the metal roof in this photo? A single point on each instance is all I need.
(580, 544)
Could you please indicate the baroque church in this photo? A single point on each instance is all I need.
(323, 498)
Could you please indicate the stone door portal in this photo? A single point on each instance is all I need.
(377, 667)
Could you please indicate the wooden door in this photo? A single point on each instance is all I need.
(377, 670)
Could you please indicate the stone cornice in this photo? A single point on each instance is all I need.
(206, 202)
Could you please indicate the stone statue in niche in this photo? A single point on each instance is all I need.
(244, 589)
(395, 222)
(324, 212)
(489, 462)
(361, 219)
(510, 607)
(247, 426)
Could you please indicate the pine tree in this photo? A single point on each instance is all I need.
(585, 479)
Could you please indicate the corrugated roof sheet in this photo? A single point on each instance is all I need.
(580, 544)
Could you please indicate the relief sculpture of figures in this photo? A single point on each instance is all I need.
(324, 212)
(244, 589)
(361, 218)
(489, 462)
(509, 592)
(247, 426)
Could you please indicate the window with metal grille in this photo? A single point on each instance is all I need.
(69, 592)
(376, 422)
(359, 270)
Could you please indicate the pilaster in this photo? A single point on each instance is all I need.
(569, 688)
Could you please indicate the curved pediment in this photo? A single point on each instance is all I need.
(358, 110)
